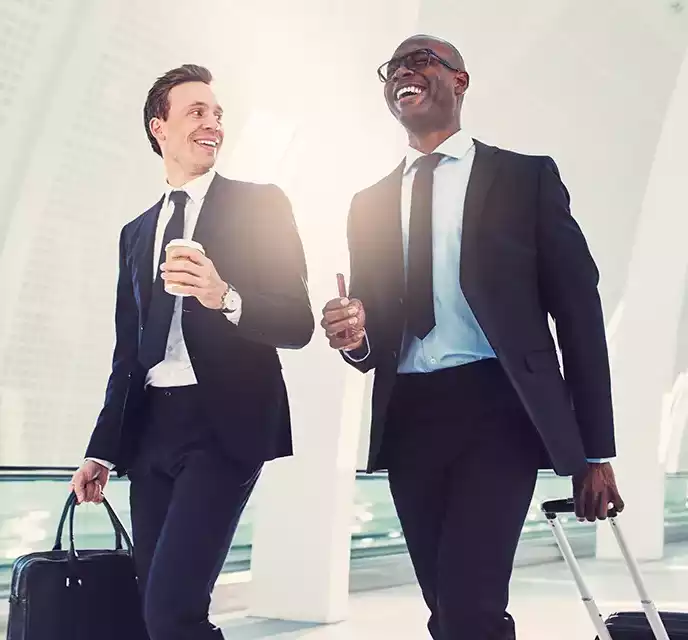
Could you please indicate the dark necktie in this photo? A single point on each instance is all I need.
(419, 286)
(161, 308)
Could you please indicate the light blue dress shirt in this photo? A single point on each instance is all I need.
(456, 338)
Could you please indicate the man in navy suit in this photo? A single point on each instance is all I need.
(458, 257)
(196, 402)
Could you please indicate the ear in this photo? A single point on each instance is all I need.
(157, 129)
(461, 82)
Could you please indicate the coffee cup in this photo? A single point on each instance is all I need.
(171, 286)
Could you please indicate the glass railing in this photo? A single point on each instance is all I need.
(31, 501)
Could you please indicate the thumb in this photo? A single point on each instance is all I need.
(78, 485)
(617, 500)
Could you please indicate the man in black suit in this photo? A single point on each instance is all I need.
(196, 402)
(457, 259)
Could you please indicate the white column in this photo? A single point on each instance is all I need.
(302, 529)
(345, 140)
(644, 352)
(304, 506)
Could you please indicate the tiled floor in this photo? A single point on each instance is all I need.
(545, 604)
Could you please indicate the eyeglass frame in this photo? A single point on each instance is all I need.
(402, 59)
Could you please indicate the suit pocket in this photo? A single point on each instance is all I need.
(542, 360)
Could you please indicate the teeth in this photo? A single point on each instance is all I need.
(408, 91)
(209, 143)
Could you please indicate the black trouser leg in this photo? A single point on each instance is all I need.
(186, 500)
(462, 473)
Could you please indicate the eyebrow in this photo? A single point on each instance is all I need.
(417, 50)
(199, 103)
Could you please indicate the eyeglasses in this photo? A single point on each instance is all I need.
(414, 61)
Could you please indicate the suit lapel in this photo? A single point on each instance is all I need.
(205, 227)
(208, 226)
(143, 254)
(483, 172)
(144, 247)
(390, 234)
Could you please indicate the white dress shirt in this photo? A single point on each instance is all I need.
(176, 370)
(456, 338)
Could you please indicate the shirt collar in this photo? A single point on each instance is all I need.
(455, 146)
(196, 189)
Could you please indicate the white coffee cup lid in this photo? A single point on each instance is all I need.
(181, 242)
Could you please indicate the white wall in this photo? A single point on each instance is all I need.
(586, 82)
(643, 367)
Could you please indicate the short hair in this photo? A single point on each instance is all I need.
(158, 104)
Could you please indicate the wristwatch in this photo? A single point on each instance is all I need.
(230, 300)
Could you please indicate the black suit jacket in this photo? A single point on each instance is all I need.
(523, 257)
(249, 233)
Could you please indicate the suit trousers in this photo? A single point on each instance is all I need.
(186, 499)
(463, 458)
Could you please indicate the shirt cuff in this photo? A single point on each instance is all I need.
(233, 302)
(104, 463)
(365, 347)
(599, 460)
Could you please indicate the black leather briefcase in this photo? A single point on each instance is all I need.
(76, 595)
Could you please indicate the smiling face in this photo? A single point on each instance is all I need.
(191, 135)
(424, 84)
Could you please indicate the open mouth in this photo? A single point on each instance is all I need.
(209, 144)
(409, 94)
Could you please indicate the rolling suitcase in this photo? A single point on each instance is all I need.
(89, 594)
(627, 625)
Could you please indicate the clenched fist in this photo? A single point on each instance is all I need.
(594, 491)
(89, 481)
(344, 323)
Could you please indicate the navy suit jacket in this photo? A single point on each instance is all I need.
(523, 259)
(249, 233)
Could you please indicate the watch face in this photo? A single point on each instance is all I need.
(230, 302)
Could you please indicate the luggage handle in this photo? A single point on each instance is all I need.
(551, 509)
(567, 505)
(69, 509)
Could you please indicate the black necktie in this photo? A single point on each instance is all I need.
(419, 287)
(161, 308)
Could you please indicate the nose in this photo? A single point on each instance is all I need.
(213, 122)
(402, 72)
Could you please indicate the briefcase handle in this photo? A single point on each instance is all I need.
(68, 511)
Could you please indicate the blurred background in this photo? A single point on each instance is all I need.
(599, 86)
